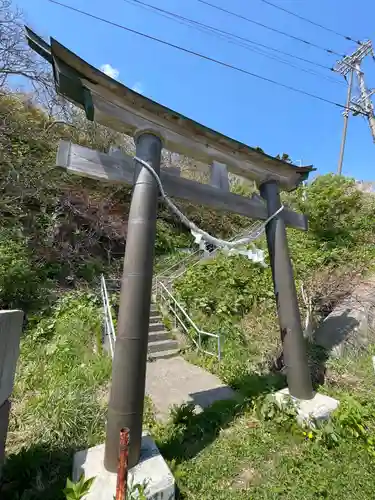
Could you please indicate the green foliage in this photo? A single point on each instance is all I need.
(137, 491)
(336, 209)
(352, 420)
(256, 450)
(85, 304)
(356, 420)
(68, 229)
(284, 157)
(234, 297)
(60, 396)
(149, 419)
(78, 490)
(243, 188)
(21, 282)
(183, 414)
(267, 409)
(170, 238)
(225, 287)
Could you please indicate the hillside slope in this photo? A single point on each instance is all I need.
(234, 297)
(58, 230)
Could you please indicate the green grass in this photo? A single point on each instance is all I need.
(230, 451)
(59, 403)
(266, 462)
(59, 400)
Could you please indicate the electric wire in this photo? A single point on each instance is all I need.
(198, 54)
(228, 33)
(310, 21)
(240, 16)
(232, 38)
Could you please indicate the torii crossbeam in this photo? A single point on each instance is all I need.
(152, 125)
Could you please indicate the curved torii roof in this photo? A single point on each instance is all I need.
(116, 106)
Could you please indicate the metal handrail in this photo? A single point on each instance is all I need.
(160, 289)
(178, 264)
(176, 309)
(179, 268)
(108, 321)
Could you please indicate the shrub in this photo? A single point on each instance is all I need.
(20, 279)
(338, 249)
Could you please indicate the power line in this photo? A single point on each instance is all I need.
(197, 54)
(311, 22)
(288, 63)
(229, 33)
(230, 36)
(330, 51)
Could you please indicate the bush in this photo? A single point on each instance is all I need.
(338, 212)
(170, 238)
(20, 281)
(234, 297)
(225, 286)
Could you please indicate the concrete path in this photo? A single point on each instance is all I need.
(174, 381)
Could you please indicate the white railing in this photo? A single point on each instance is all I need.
(181, 317)
(109, 329)
(166, 299)
(176, 270)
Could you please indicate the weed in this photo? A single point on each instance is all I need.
(58, 399)
(183, 414)
(137, 491)
(78, 490)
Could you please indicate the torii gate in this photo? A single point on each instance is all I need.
(152, 125)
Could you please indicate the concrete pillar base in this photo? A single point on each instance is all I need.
(152, 470)
(309, 410)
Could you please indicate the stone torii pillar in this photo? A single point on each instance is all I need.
(130, 357)
(294, 348)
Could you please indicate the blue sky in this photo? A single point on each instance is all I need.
(250, 110)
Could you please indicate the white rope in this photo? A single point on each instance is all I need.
(254, 254)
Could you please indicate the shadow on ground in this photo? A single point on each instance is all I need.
(36, 473)
(190, 433)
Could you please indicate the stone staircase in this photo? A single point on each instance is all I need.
(160, 345)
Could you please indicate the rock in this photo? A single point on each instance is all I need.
(351, 325)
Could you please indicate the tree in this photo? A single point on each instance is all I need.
(284, 157)
(16, 58)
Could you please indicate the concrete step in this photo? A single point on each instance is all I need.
(154, 313)
(155, 336)
(162, 345)
(156, 319)
(155, 327)
(163, 354)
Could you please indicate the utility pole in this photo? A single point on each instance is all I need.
(346, 118)
(365, 99)
(361, 104)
